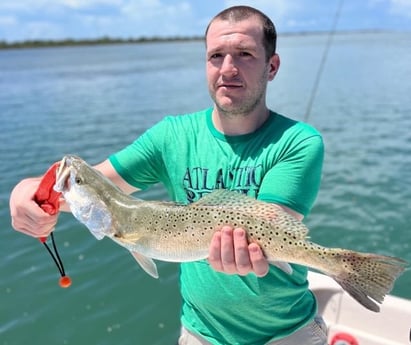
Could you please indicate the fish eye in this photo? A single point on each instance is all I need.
(78, 180)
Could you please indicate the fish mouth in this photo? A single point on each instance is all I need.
(63, 173)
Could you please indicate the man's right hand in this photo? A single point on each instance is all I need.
(26, 215)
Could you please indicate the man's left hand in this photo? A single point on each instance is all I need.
(231, 253)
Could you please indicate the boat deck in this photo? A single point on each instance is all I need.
(349, 323)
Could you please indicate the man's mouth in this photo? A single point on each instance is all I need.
(230, 85)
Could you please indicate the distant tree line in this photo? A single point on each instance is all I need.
(109, 40)
(87, 42)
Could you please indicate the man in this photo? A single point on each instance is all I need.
(234, 297)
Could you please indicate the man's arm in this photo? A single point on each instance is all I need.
(107, 170)
(28, 218)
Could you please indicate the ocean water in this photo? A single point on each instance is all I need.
(94, 100)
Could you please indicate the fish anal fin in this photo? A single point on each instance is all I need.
(146, 263)
(282, 265)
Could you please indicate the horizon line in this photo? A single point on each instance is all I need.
(105, 39)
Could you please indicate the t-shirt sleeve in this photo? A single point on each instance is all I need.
(294, 180)
(140, 163)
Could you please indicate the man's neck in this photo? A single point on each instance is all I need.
(239, 124)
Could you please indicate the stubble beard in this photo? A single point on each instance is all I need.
(244, 107)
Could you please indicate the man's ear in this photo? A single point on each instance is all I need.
(274, 66)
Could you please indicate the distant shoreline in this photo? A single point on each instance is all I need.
(89, 42)
(40, 43)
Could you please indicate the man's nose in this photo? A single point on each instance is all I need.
(228, 67)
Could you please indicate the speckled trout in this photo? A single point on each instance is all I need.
(180, 233)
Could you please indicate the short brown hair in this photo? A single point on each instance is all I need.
(239, 13)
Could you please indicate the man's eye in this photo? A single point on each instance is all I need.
(245, 54)
(215, 56)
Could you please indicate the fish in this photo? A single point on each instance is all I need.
(173, 232)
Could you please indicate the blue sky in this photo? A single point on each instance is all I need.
(59, 19)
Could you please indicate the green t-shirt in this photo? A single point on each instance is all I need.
(281, 162)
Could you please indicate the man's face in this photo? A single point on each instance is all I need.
(237, 67)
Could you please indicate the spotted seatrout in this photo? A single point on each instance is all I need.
(179, 233)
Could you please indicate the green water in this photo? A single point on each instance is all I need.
(92, 101)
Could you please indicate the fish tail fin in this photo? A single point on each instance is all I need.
(368, 277)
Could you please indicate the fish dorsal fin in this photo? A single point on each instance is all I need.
(225, 197)
(229, 199)
(241, 203)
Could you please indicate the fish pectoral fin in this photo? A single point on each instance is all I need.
(147, 264)
(283, 266)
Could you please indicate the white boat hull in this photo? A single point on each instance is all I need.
(349, 323)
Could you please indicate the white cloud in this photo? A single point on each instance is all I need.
(401, 7)
(394, 7)
(154, 9)
(286, 14)
(33, 5)
(8, 20)
(37, 29)
(159, 17)
(90, 3)
(277, 10)
(23, 19)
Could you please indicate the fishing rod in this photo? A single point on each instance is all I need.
(323, 60)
